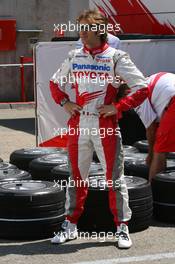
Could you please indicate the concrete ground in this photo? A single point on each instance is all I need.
(156, 245)
(17, 130)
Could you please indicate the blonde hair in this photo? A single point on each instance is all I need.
(95, 17)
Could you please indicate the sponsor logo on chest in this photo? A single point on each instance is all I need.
(97, 69)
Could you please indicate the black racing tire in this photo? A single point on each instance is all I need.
(129, 149)
(163, 186)
(135, 165)
(28, 213)
(14, 174)
(93, 221)
(140, 224)
(62, 171)
(95, 169)
(60, 174)
(142, 146)
(142, 202)
(22, 157)
(97, 215)
(126, 148)
(19, 229)
(30, 209)
(30, 193)
(40, 168)
(164, 212)
(170, 165)
(170, 155)
(6, 166)
(138, 187)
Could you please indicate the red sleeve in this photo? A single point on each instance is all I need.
(56, 92)
(132, 101)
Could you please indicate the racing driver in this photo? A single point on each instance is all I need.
(96, 70)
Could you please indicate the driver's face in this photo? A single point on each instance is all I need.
(88, 36)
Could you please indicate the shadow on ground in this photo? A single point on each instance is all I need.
(158, 223)
(22, 124)
(45, 247)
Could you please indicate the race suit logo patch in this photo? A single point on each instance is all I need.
(91, 67)
(86, 97)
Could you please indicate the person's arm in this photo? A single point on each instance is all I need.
(149, 118)
(151, 134)
(57, 87)
(57, 93)
(135, 80)
(59, 81)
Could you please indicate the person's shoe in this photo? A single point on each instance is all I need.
(68, 232)
(123, 240)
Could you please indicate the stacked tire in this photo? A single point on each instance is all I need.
(97, 215)
(9, 172)
(60, 174)
(30, 209)
(41, 168)
(135, 162)
(14, 174)
(128, 150)
(22, 157)
(163, 187)
(135, 165)
(6, 166)
(140, 202)
(142, 147)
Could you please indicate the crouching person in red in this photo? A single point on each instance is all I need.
(158, 115)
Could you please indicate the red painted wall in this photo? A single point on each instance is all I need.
(7, 34)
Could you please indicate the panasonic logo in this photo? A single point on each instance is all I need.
(91, 67)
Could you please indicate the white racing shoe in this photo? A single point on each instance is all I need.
(68, 232)
(124, 240)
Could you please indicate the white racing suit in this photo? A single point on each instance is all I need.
(95, 83)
